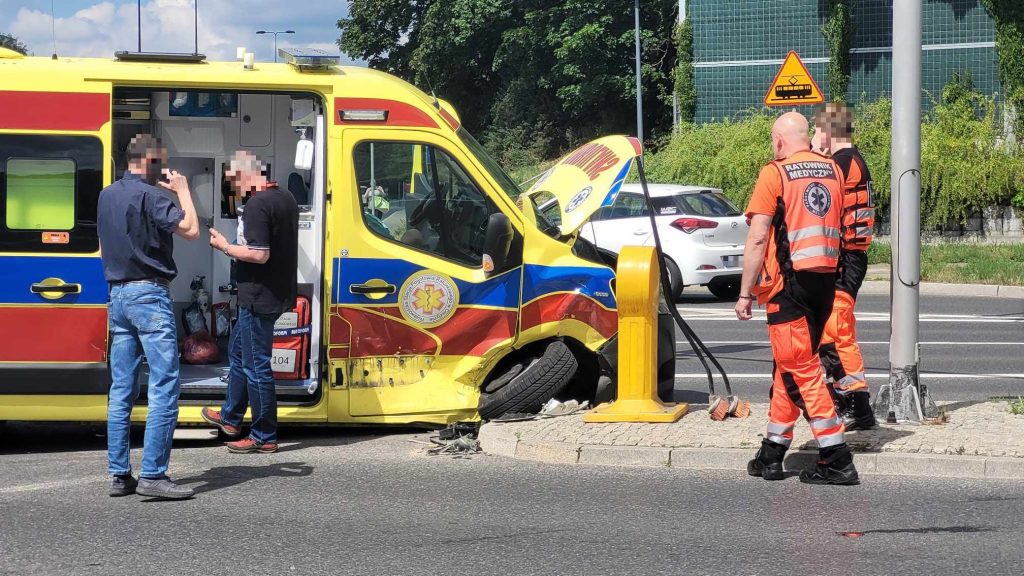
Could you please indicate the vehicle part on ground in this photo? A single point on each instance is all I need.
(537, 383)
(725, 289)
(734, 406)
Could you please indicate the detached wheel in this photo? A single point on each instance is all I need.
(675, 278)
(727, 290)
(536, 383)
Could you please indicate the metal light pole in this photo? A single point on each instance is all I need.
(903, 398)
(275, 33)
(140, 25)
(639, 90)
(675, 96)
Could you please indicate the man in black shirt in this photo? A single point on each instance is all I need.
(267, 255)
(136, 222)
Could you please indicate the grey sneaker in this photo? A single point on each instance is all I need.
(163, 488)
(123, 485)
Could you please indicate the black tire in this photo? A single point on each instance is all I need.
(675, 279)
(727, 290)
(536, 384)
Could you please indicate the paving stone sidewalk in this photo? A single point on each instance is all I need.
(980, 439)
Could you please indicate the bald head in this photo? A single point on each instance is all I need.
(790, 135)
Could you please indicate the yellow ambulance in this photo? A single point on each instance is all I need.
(438, 293)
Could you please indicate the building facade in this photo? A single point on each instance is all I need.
(740, 44)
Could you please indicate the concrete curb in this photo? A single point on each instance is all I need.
(499, 442)
(937, 289)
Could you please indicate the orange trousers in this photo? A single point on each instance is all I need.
(796, 319)
(840, 353)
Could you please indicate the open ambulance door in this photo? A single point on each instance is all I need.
(54, 160)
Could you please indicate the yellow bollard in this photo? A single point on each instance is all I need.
(637, 280)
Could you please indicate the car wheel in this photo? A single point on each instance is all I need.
(537, 383)
(725, 290)
(675, 278)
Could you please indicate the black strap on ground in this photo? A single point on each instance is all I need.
(691, 337)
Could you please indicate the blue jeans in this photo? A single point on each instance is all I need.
(142, 322)
(250, 380)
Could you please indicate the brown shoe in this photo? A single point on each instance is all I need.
(213, 417)
(248, 446)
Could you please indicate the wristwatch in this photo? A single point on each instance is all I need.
(225, 250)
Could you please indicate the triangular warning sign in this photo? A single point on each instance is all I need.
(793, 85)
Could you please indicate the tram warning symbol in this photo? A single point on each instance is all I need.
(793, 85)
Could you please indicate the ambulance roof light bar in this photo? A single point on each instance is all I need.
(308, 58)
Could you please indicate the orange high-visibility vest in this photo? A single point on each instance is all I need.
(807, 224)
(858, 204)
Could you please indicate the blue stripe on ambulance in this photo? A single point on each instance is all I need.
(501, 291)
(593, 282)
(18, 273)
(620, 178)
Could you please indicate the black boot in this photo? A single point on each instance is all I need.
(835, 466)
(858, 414)
(768, 462)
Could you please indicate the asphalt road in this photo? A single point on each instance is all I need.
(971, 348)
(341, 502)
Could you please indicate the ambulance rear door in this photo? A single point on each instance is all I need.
(53, 315)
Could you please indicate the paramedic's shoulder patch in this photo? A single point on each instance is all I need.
(800, 170)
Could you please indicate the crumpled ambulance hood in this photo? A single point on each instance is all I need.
(588, 178)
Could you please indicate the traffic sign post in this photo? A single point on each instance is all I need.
(793, 85)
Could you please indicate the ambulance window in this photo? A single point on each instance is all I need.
(40, 194)
(419, 196)
(49, 187)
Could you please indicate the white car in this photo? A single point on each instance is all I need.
(702, 233)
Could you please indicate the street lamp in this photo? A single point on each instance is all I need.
(275, 33)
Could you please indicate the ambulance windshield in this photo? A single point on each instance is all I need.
(508, 186)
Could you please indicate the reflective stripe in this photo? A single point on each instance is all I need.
(814, 252)
(848, 381)
(863, 232)
(774, 428)
(864, 214)
(830, 440)
(813, 232)
(780, 439)
(824, 423)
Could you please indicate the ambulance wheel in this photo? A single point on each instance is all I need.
(675, 278)
(537, 382)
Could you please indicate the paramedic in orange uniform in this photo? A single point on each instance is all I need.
(789, 264)
(840, 354)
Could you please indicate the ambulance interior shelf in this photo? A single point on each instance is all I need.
(200, 143)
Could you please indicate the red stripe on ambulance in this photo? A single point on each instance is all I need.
(398, 113)
(53, 110)
(37, 334)
(566, 306)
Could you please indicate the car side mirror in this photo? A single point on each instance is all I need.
(497, 243)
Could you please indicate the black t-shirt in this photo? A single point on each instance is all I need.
(136, 224)
(270, 222)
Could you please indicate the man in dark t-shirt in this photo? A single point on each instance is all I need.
(136, 221)
(267, 255)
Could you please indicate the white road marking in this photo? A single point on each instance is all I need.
(923, 375)
(728, 315)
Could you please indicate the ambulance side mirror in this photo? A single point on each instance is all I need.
(497, 243)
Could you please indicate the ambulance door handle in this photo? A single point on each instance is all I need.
(372, 289)
(54, 288)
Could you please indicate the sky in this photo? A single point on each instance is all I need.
(92, 28)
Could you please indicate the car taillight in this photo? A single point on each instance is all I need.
(689, 225)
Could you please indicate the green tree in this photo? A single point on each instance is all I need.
(535, 76)
(10, 42)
